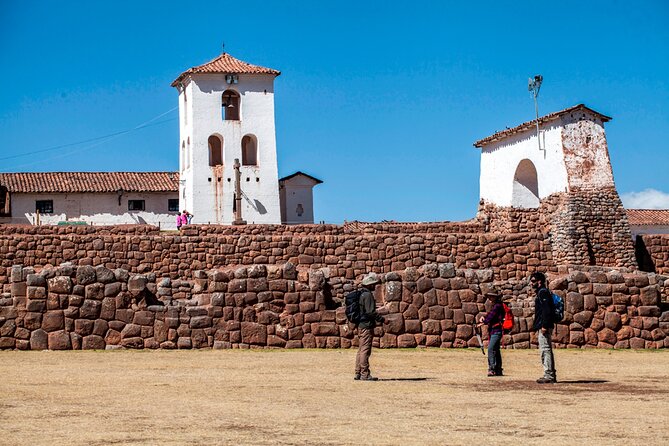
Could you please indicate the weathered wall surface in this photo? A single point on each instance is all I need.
(282, 306)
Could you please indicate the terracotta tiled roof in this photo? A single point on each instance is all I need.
(72, 182)
(531, 124)
(225, 63)
(647, 217)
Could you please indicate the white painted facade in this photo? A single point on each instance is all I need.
(296, 194)
(94, 209)
(516, 172)
(648, 229)
(208, 191)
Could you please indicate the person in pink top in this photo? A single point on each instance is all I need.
(184, 218)
(179, 221)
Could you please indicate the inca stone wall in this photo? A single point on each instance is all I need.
(583, 227)
(284, 306)
(348, 252)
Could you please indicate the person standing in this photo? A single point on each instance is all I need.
(178, 220)
(494, 320)
(369, 319)
(544, 310)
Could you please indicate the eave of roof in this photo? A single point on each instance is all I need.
(93, 182)
(226, 64)
(530, 124)
(648, 217)
(303, 174)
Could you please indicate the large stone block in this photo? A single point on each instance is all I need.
(59, 340)
(85, 275)
(254, 333)
(53, 320)
(60, 285)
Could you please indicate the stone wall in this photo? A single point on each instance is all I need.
(348, 253)
(285, 306)
(582, 227)
(653, 252)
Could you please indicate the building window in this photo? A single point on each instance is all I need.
(135, 205)
(249, 151)
(173, 205)
(44, 206)
(230, 105)
(215, 150)
(4, 202)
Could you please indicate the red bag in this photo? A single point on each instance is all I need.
(507, 324)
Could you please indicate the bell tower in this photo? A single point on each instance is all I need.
(226, 113)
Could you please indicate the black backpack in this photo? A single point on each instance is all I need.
(353, 309)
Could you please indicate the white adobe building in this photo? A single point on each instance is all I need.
(94, 198)
(226, 112)
(517, 170)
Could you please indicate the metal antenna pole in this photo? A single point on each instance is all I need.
(533, 85)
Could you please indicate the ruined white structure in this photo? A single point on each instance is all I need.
(226, 112)
(571, 154)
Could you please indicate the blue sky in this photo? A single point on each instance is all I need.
(381, 100)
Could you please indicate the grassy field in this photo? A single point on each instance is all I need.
(293, 397)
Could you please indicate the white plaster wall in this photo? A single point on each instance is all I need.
(208, 192)
(648, 229)
(96, 209)
(500, 159)
(297, 190)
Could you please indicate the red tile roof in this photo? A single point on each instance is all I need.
(226, 64)
(648, 217)
(531, 124)
(73, 182)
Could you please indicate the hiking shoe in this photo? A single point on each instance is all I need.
(546, 380)
(357, 377)
(369, 378)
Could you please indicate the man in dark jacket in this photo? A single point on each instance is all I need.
(494, 320)
(366, 328)
(544, 310)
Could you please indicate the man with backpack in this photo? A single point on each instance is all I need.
(494, 320)
(361, 311)
(544, 321)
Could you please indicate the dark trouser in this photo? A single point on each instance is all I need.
(494, 353)
(365, 336)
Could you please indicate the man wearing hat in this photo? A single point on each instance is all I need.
(494, 320)
(366, 326)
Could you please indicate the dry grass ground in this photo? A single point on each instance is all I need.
(276, 397)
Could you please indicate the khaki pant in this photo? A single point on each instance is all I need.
(546, 349)
(365, 336)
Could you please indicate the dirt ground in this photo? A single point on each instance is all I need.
(295, 397)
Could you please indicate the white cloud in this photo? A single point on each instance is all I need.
(646, 199)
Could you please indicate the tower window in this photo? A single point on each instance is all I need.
(44, 206)
(230, 105)
(215, 150)
(249, 151)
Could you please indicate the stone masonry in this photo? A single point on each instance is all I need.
(283, 306)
